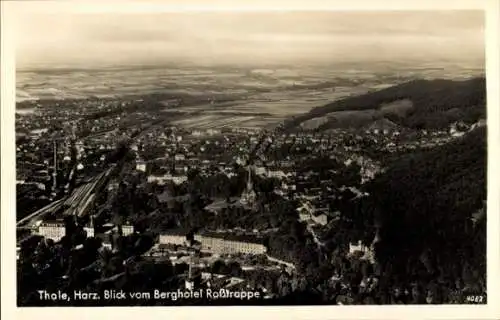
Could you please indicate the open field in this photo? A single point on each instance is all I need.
(223, 97)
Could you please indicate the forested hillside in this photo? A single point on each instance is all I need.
(425, 204)
(433, 104)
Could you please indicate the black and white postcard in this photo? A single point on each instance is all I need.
(167, 155)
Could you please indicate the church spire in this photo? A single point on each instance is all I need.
(248, 197)
(249, 181)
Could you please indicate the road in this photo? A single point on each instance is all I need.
(315, 236)
(288, 264)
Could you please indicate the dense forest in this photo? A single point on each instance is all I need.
(436, 104)
(425, 204)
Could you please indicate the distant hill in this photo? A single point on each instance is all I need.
(425, 203)
(415, 104)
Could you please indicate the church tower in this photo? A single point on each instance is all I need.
(189, 280)
(192, 278)
(249, 197)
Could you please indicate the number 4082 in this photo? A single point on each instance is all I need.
(475, 299)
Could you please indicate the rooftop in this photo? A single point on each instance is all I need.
(232, 237)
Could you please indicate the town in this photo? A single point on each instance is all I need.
(108, 194)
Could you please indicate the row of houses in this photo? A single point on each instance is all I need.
(56, 230)
(163, 179)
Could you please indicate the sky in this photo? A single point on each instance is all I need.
(94, 38)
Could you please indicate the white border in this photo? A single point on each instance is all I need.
(9, 11)
(149, 6)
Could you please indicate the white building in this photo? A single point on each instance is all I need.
(89, 231)
(368, 253)
(304, 216)
(167, 177)
(107, 245)
(321, 219)
(276, 174)
(305, 211)
(179, 157)
(355, 247)
(175, 239)
(141, 166)
(127, 229)
(221, 245)
(52, 230)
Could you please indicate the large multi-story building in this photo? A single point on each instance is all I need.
(177, 179)
(217, 243)
(54, 230)
(176, 239)
(89, 230)
(224, 244)
(228, 246)
(127, 229)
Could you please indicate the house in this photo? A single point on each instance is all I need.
(321, 219)
(141, 166)
(179, 157)
(359, 247)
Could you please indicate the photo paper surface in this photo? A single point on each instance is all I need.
(250, 158)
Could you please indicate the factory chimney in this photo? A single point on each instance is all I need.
(54, 173)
